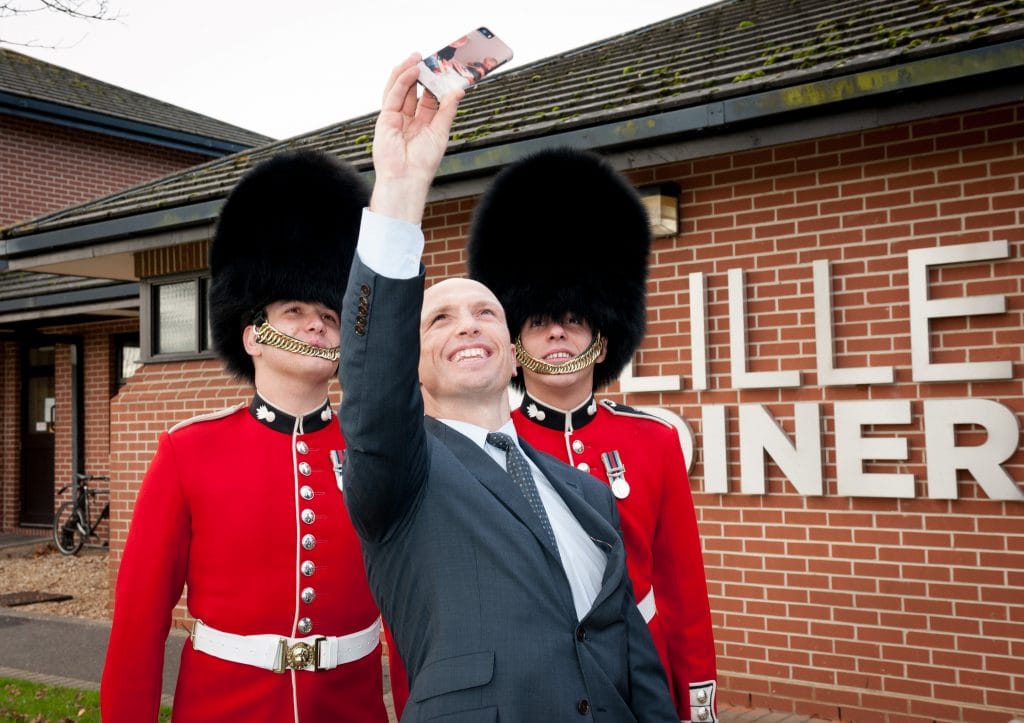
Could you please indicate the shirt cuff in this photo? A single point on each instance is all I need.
(390, 247)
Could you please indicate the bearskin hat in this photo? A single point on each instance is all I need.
(287, 231)
(562, 231)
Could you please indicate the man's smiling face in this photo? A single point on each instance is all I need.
(465, 349)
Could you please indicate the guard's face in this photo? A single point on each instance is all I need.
(311, 322)
(308, 321)
(465, 348)
(556, 342)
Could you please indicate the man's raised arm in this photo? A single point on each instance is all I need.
(382, 409)
(409, 141)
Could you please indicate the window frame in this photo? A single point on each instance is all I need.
(150, 322)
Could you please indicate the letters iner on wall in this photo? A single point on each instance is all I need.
(801, 459)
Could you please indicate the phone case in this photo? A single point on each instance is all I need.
(463, 62)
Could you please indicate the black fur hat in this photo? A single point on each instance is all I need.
(560, 231)
(287, 231)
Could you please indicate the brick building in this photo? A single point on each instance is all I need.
(66, 139)
(835, 322)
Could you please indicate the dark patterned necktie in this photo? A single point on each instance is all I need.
(519, 470)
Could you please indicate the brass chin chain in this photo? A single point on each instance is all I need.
(266, 334)
(570, 367)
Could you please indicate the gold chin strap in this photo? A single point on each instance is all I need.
(266, 334)
(570, 367)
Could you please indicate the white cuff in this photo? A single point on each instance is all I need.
(390, 247)
(702, 702)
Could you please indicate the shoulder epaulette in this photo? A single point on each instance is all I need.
(207, 417)
(624, 410)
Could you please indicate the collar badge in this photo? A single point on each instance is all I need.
(533, 413)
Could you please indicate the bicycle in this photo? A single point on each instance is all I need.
(72, 525)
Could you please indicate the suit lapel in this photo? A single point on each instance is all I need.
(492, 477)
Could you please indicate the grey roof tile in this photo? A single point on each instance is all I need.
(731, 49)
(35, 80)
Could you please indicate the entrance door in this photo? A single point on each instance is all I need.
(37, 435)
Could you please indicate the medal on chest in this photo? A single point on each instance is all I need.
(616, 474)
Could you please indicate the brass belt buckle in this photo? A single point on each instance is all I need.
(298, 656)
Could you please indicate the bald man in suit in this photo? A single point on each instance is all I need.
(505, 604)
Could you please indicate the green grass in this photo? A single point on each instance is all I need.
(24, 702)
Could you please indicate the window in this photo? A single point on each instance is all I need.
(177, 316)
(40, 409)
(127, 358)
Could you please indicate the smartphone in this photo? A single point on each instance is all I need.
(463, 62)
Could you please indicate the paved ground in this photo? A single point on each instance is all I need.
(69, 652)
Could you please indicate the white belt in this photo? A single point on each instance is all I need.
(647, 607)
(272, 652)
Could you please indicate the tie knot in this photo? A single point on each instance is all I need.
(500, 440)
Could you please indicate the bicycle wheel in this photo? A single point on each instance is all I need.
(65, 530)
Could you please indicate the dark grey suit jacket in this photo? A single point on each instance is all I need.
(477, 600)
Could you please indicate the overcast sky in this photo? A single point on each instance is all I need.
(283, 69)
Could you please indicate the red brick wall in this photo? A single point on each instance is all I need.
(860, 608)
(47, 167)
(98, 358)
(62, 390)
(10, 435)
(44, 168)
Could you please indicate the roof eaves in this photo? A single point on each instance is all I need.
(112, 229)
(69, 116)
(71, 298)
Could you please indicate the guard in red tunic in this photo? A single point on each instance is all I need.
(574, 287)
(243, 508)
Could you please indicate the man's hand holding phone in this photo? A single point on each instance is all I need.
(410, 139)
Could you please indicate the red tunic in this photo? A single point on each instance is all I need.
(220, 510)
(659, 527)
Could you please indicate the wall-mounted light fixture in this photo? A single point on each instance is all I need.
(662, 203)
